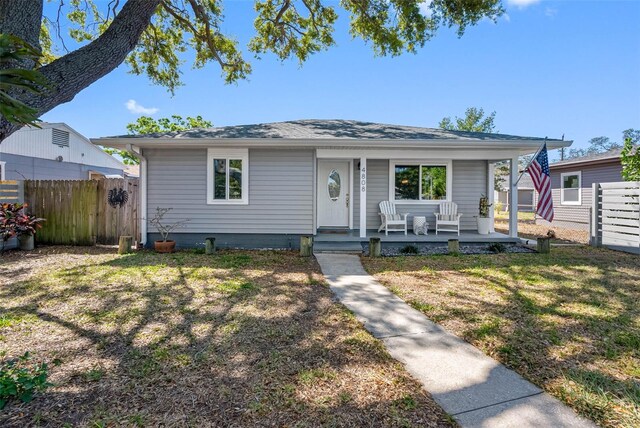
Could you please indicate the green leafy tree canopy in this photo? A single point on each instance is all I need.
(630, 155)
(148, 125)
(474, 120)
(156, 37)
(604, 144)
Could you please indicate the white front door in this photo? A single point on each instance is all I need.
(333, 193)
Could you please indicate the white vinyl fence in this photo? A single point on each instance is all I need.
(615, 216)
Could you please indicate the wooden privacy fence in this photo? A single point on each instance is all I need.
(84, 212)
(615, 216)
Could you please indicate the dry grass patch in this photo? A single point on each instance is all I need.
(236, 339)
(527, 228)
(568, 321)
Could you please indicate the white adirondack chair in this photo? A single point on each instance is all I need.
(392, 221)
(448, 217)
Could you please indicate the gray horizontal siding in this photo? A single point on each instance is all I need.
(469, 183)
(28, 168)
(280, 192)
(577, 216)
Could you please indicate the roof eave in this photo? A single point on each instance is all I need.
(123, 143)
(584, 162)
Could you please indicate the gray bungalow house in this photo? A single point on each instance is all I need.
(265, 185)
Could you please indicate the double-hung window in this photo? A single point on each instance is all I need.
(570, 190)
(228, 176)
(420, 182)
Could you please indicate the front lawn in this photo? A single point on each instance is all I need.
(235, 339)
(568, 321)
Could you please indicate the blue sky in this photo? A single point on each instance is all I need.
(547, 68)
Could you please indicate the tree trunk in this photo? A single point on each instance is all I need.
(70, 74)
(21, 18)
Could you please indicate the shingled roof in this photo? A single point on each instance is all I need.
(312, 129)
(592, 157)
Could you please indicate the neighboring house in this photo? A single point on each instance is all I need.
(54, 152)
(265, 185)
(526, 194)
(571, 183)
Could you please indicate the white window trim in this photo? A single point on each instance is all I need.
(242, 154)
(3, 166)
(579, 201)
(392, 179)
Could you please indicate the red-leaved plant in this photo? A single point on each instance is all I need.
(15, 221)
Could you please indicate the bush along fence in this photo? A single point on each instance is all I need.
(84, 212)
(615, 221)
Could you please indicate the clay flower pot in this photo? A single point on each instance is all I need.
(164, 246)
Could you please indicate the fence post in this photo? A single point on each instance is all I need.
(595, 215)
(454, 246)
(375, 247)
(306, 246)
(124, 244)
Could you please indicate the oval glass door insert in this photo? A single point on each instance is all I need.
(333, 185)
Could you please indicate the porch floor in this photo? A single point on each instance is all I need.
(468, 236)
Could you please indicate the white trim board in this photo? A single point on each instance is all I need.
(431, 154)
(562, 189)
(228, 154)
(419, 162)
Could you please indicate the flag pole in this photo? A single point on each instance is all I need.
(531, 160)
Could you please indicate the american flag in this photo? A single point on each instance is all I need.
(539, 172)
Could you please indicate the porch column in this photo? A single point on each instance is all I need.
(491, 192)
(513, 200)
(362, 184)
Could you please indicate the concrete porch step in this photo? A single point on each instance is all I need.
(337, 247)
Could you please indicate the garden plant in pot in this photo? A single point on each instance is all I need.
(484, 219)
(14, 221)
(164, 228)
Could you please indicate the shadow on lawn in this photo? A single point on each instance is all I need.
(187, 339)
(568, 321)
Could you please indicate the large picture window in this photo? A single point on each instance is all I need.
(228, 176)
(570, 190)
(420, 182)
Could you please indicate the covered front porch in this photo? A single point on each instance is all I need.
(467, 236)
(405, 177)
(350, 240)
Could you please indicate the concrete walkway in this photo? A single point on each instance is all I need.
(472, 387)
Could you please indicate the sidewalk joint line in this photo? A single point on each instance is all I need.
(402, 334)
(497, 404)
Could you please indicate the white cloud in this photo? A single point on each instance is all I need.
(550, 12)
(506, 17)
(135, 108)
(522, 3)
(425, 8)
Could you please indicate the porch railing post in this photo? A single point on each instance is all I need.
(362, 185)
(513, 200)
(491, 192)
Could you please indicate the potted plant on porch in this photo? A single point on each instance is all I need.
(165, 245)
(484, 219)
(14, 221)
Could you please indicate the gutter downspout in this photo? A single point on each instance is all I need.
(143, 192)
